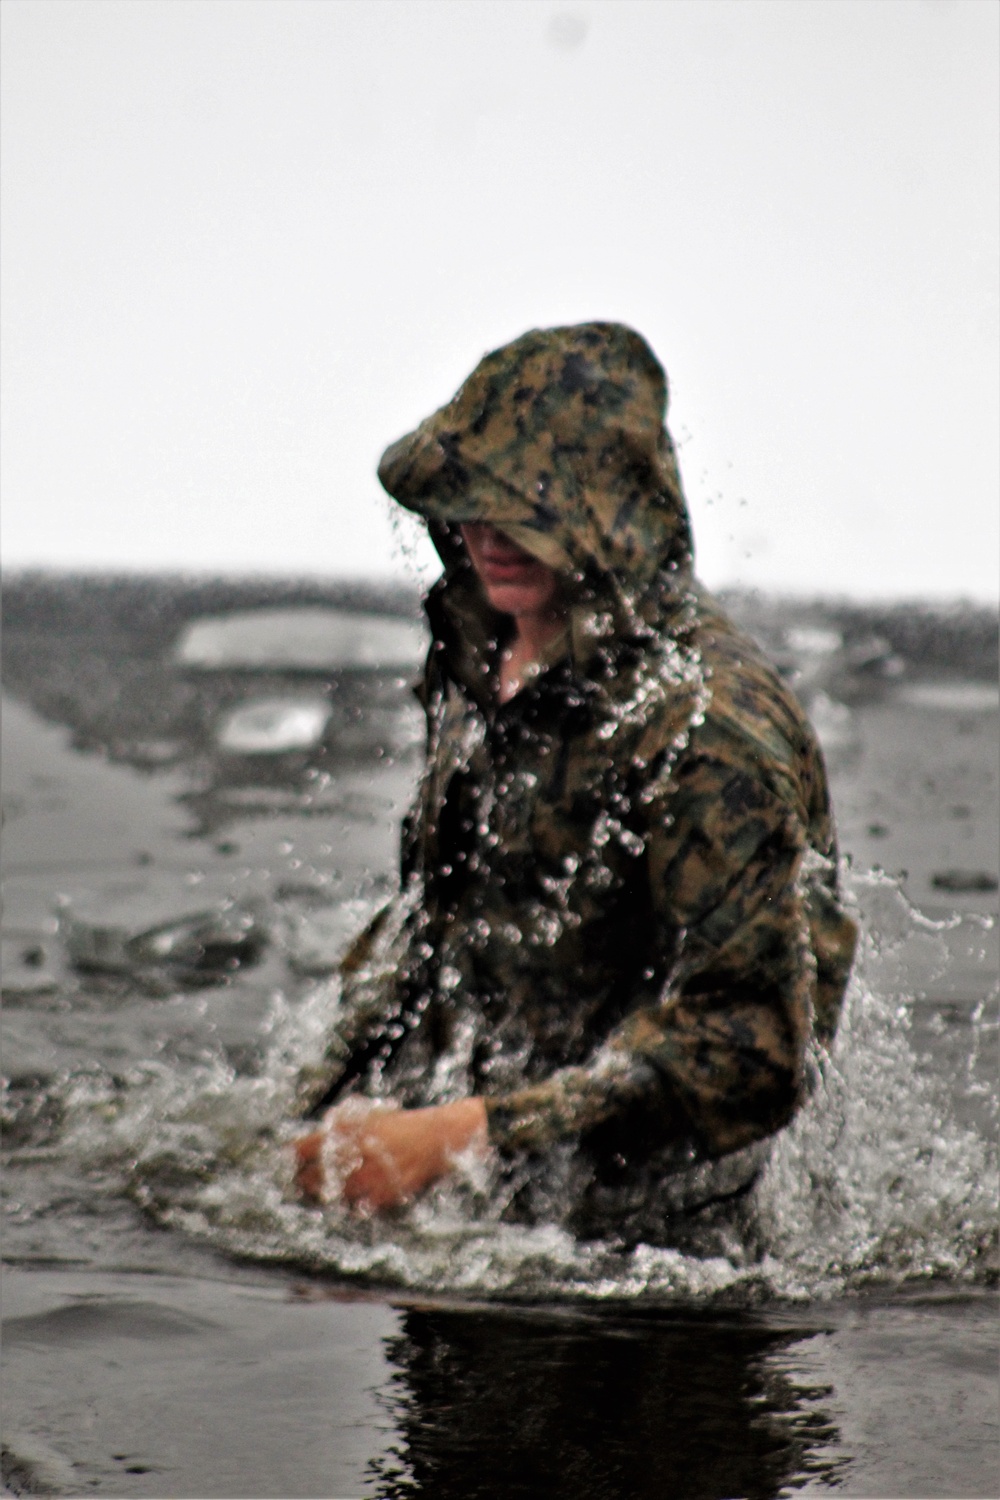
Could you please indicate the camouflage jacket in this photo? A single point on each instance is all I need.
(618, 919)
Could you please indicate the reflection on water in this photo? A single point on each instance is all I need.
(512, 1403)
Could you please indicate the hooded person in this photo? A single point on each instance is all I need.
(618, 934)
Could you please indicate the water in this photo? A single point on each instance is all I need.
(839, 1331)
(886, 1175)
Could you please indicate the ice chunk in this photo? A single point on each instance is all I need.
(202, 947)
(274, 725)
(964, 880)
(955, 697)
(315, 639)
(809, 640)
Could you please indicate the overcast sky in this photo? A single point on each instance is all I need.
(250, 242)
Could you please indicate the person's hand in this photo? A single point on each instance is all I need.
(382, 1157)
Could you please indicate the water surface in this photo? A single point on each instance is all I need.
(178, 1324)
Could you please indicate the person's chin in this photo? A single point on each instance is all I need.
(511, 598)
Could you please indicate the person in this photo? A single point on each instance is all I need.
(618, 936)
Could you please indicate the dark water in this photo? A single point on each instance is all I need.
(176, 1324)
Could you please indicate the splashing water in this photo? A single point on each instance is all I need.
(876, 1180)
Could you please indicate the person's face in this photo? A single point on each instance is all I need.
(515, 582)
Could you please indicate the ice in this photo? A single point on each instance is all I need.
(953, 697)
(303, 639)
(810, 640)
(273, 726)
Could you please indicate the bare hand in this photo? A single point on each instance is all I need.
(383, 1157)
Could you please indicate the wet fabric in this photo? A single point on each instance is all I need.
(618, 918)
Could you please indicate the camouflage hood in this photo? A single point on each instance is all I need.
(559, 440)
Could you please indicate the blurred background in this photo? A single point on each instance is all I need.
(250, 242)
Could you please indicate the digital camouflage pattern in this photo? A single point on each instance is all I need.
(618, 918)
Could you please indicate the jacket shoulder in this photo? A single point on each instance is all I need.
(748, 701)
(750, 721)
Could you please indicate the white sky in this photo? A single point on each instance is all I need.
(250, 242)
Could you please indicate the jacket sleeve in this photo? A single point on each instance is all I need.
(722, 1047)
(370, 1003)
